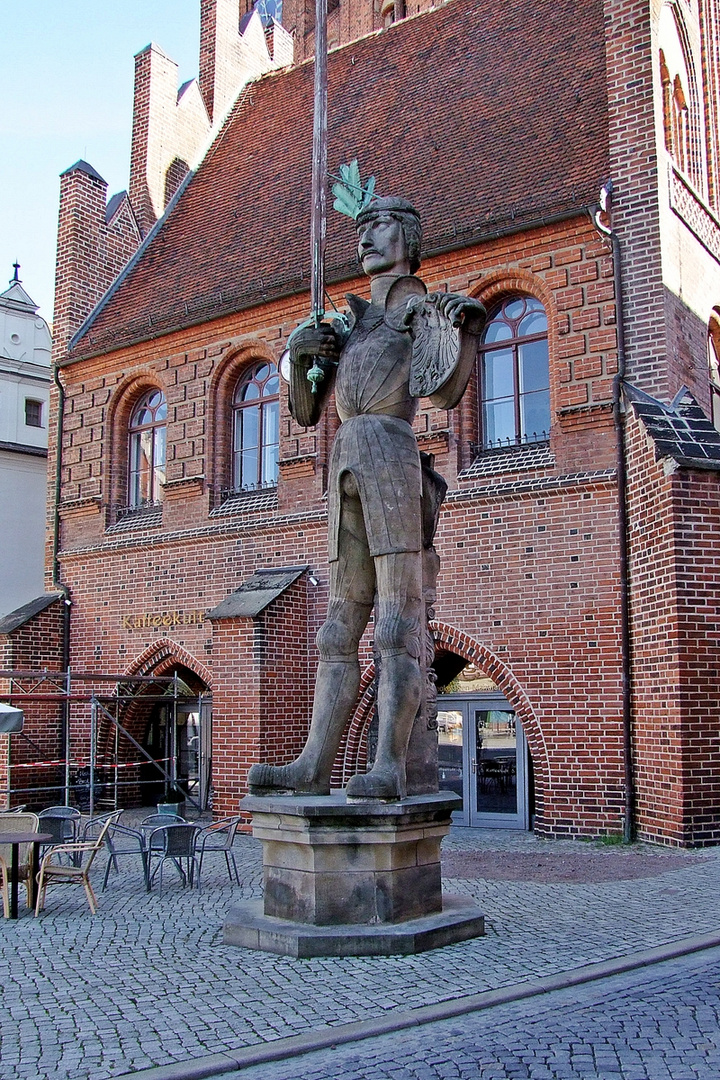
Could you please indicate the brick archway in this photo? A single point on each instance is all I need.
(352, 757)
(160, 658)
(165, 654)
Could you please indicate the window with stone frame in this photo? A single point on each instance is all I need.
(256, 428)
(147, 434)
(514, 375)
(714, 368)
(33, 413)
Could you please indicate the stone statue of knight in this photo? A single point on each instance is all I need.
(383, 500)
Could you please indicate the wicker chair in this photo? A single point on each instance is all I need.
(58, 873)
(17, 823)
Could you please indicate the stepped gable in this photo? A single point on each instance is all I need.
(485, 116)
(680, 430)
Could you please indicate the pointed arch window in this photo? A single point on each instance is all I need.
(256, 428)
(147, 433)
(514, 375)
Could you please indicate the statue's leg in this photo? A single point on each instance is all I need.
(398, 639)
(352, 588)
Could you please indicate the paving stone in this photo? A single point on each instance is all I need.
(148, 975)
(527, 1039)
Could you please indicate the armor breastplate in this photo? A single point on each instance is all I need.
(374, 371)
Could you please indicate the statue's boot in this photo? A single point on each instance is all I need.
(336, 690)
(281, 780)
(386, 783)
(398, 700)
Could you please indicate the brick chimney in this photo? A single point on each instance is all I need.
(78, 273)
(95, 241)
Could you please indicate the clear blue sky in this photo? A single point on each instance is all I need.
(67, 94)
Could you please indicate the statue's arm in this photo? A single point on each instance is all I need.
(309, 347)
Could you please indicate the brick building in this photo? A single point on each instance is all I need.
(573, 187)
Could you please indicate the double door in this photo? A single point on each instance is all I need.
(179, 737)
(482, 757)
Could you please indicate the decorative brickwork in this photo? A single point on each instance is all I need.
(694, 213)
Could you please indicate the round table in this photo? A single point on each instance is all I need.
(15, 839)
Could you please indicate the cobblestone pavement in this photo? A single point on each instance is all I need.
(662, 1023)
(147, 981)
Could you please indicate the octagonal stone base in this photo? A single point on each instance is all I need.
(351, 878)
(246, 926)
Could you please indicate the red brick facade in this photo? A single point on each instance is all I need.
(30, 763)
(519, 544)
(530, 587)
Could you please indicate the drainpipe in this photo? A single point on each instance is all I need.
(603, 221)
(65, 707)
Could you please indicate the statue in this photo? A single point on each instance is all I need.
(383, 495)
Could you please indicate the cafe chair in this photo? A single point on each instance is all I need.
(219, 837)
(94, 825)
(59, 873)
(61, 822)
(17, 823)
(176, 843)
(149, 824)
(122, 840)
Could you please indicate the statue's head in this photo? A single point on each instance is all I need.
(409, 236)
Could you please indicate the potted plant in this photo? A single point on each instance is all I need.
(172, 802)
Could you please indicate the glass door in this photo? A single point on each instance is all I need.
(451, 763)
(194, 740)
(482, 756)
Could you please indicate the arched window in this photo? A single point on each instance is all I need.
(147, 433)
(514, 374)
(714, 366)
(256, 428)
(681, 78)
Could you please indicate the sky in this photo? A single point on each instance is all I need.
(67, 93)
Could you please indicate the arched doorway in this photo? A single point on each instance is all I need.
(169, 721)
(491, 706)
(482, 749)
(178, 736)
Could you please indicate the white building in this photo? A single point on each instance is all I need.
(24, 405)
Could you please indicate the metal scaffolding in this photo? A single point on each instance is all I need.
(98, 769)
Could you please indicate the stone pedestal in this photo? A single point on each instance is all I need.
(351, 879)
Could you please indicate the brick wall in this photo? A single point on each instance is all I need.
(675, 586)
(262, 696)
(34, 646)
(634, 171)
(529, 577)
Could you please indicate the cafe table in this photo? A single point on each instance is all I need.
(15, 839)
